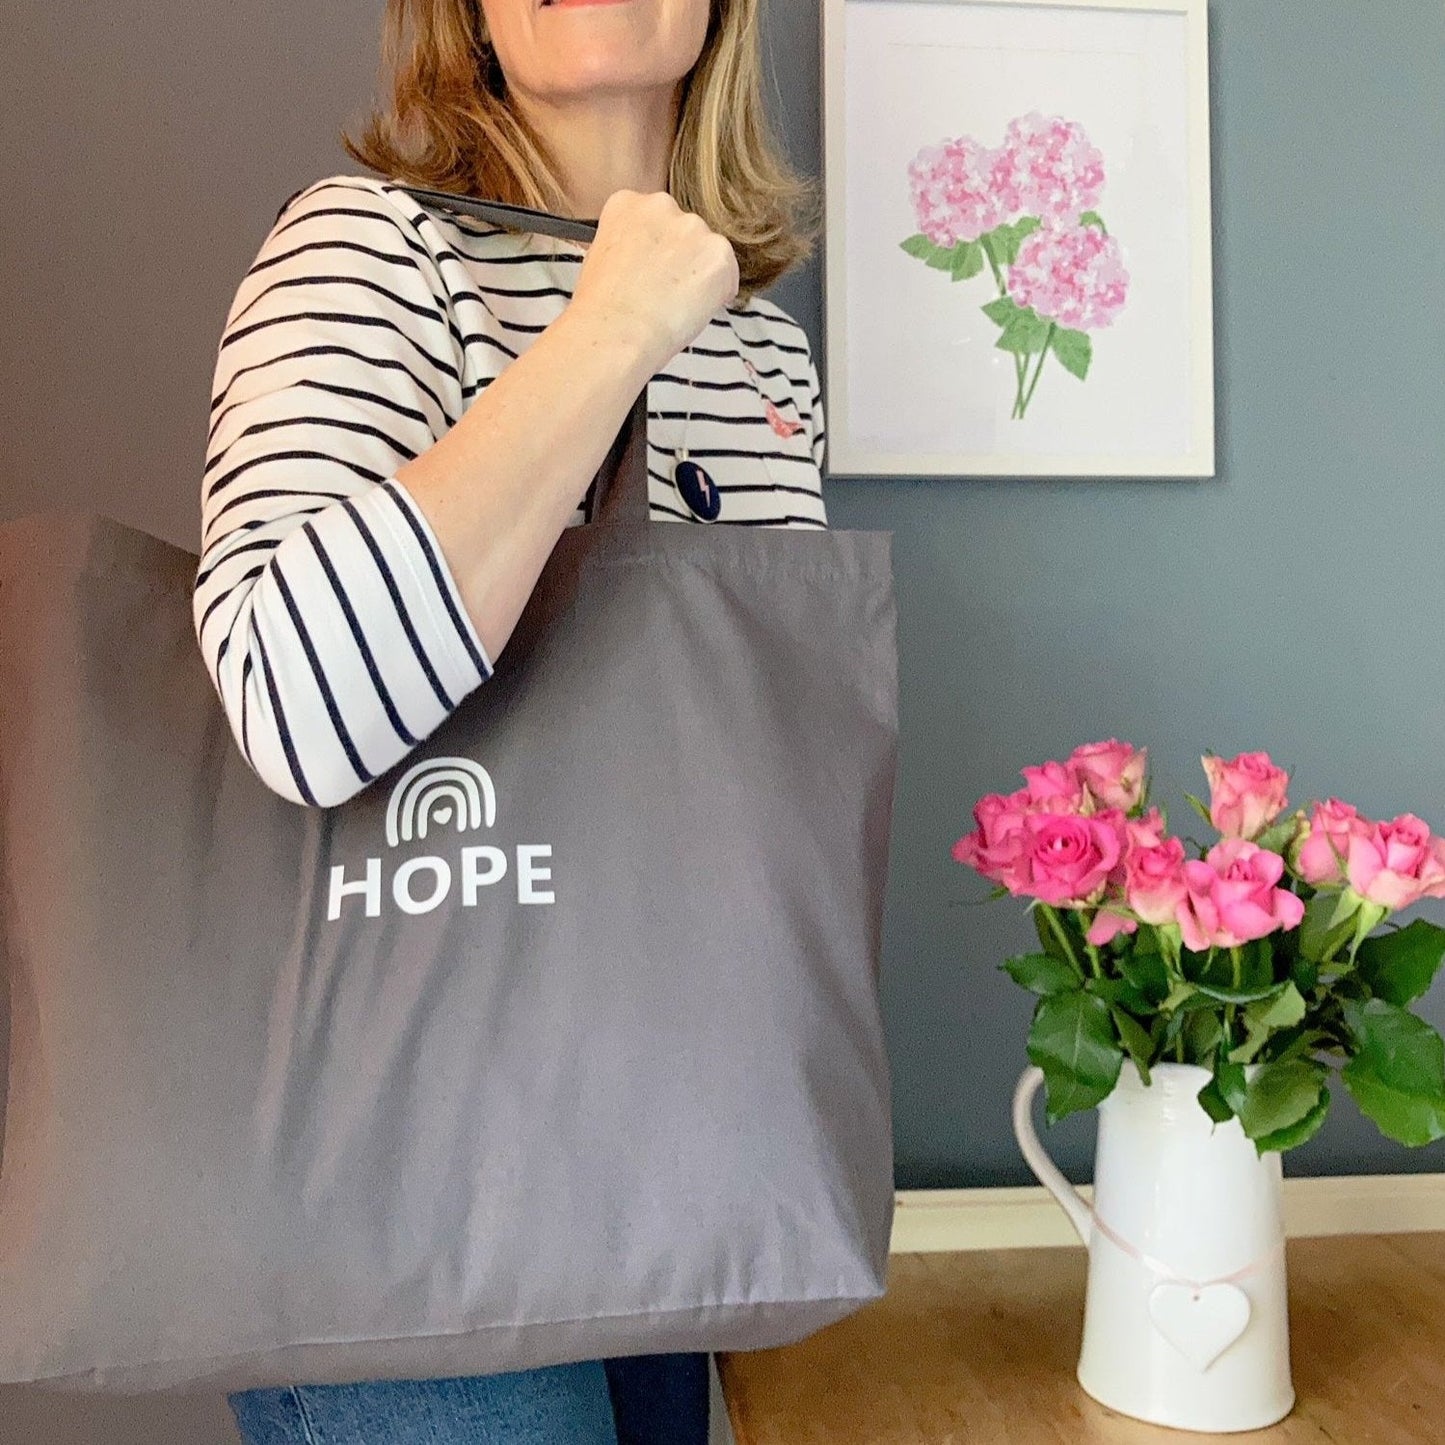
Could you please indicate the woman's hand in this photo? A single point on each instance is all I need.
(656, 273)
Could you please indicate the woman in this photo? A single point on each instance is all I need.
(407, 410)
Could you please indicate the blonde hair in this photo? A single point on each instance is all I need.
(449, 126)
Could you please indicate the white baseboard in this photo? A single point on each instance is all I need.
(948, 1219)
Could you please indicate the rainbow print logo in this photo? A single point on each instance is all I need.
(440, 790)
(442, 797)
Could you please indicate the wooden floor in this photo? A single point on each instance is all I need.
(982, 1347)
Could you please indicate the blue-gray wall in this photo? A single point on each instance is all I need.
(1293, 603)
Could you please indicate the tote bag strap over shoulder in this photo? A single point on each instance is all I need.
(619, 490)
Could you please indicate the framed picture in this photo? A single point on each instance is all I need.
(1018, 271)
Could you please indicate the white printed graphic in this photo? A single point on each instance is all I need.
(444, 791)
(462, 789)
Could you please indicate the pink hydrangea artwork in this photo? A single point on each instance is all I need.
(1025, 210)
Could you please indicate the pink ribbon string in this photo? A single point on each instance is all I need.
(1158, 1267)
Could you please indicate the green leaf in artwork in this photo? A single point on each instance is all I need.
(1025, 333)
(1400, 966)
(1072, 1041)
(1292, 1136)
(1279, 1096)
(1001, 310)
(1093, 218)
(967, 260)
(921, 247)
(1006, 239)
(1074, 350)
(1398, 1076)
(1041, 973)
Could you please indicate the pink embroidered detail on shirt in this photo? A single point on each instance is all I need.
(783, 426)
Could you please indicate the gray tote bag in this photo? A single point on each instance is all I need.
(561, 1040)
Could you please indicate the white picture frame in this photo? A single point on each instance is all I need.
(983, 154)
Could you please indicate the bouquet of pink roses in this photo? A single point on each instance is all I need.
(1268, 958)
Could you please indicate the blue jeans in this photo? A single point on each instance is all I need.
(630, 1400)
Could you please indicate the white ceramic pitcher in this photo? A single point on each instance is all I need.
(1186, 1319)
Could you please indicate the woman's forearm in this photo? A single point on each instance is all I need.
(500, 486)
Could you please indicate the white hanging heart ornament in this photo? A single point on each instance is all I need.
(1200, 1321)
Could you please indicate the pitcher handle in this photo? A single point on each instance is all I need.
(1047, 1172)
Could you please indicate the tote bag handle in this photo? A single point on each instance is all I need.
(618, 492)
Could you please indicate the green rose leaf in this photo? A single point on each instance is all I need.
(1232, 1089)
(1304, 974)
(1329, 920)
(1202, 1033)
(1400, 966)
(1277, 837)
(1136, 1041)
(1236, 995)
(1199, 807)
(1398, 1076)
(1041, 973)
(1049, 924)
(1296, 1134)
(1072, 1041)
(1279, 1096)
(967, 260)
(1212, 1102)
(1074, 350)
(1093, 218)
(1025, 332)
(1178, 996)
(1148, 973)
(1281, 1010)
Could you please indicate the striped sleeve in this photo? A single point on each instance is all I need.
(328, 618)
(817, 422)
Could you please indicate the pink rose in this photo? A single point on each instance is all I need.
(1246, 795)
(1148, 831)
(1070, 274)
(1154, 880)
(1108, 924)
(1230, 897)
(993, 848)
(1057, 787)
(1112, 771)
(1397, 863)
(1067, 858)
(1320, 857)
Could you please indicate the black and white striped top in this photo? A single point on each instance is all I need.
(332, 627)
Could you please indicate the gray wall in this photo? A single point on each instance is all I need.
(1291, 603)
